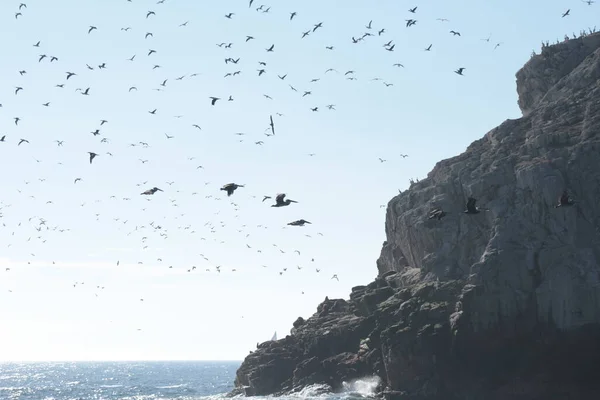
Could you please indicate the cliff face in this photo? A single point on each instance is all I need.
(503, 304)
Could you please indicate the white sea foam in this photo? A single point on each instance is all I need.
(172, 386)
(313, 391)
(12, 388)
(364, 387)
(358, 388)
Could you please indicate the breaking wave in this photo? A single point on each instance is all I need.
(356, 389)
(365, 387)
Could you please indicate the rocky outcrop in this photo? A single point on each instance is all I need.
(537, 80)
(504, 304)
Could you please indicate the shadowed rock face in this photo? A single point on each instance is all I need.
(504, 304)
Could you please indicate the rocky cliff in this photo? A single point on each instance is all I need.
(500, 304)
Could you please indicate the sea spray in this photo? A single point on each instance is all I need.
(312, 391)
(366, 387)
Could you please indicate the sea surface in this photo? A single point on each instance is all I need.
(137, 381)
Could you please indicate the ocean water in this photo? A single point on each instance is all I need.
(138, 381)
(115, 380)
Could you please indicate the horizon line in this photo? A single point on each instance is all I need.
(112, 361)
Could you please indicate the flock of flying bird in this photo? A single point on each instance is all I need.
(73, 75)
(369, 31)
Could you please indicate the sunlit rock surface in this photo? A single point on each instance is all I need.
(504, 304)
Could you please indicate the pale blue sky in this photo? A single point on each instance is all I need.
(430, 113)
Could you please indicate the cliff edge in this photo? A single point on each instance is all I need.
(502, 304)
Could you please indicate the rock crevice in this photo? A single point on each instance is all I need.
(501, 304)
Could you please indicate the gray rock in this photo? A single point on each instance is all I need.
(504, 304)
(523, 254)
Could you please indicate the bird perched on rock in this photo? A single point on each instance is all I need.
(230, 188)
(151, 191)
(299, 222)
(280, 201)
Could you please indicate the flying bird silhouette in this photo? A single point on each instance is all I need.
(299, 222)
(230, 188)
(151, 191)
(281, 201)
(272, 125)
